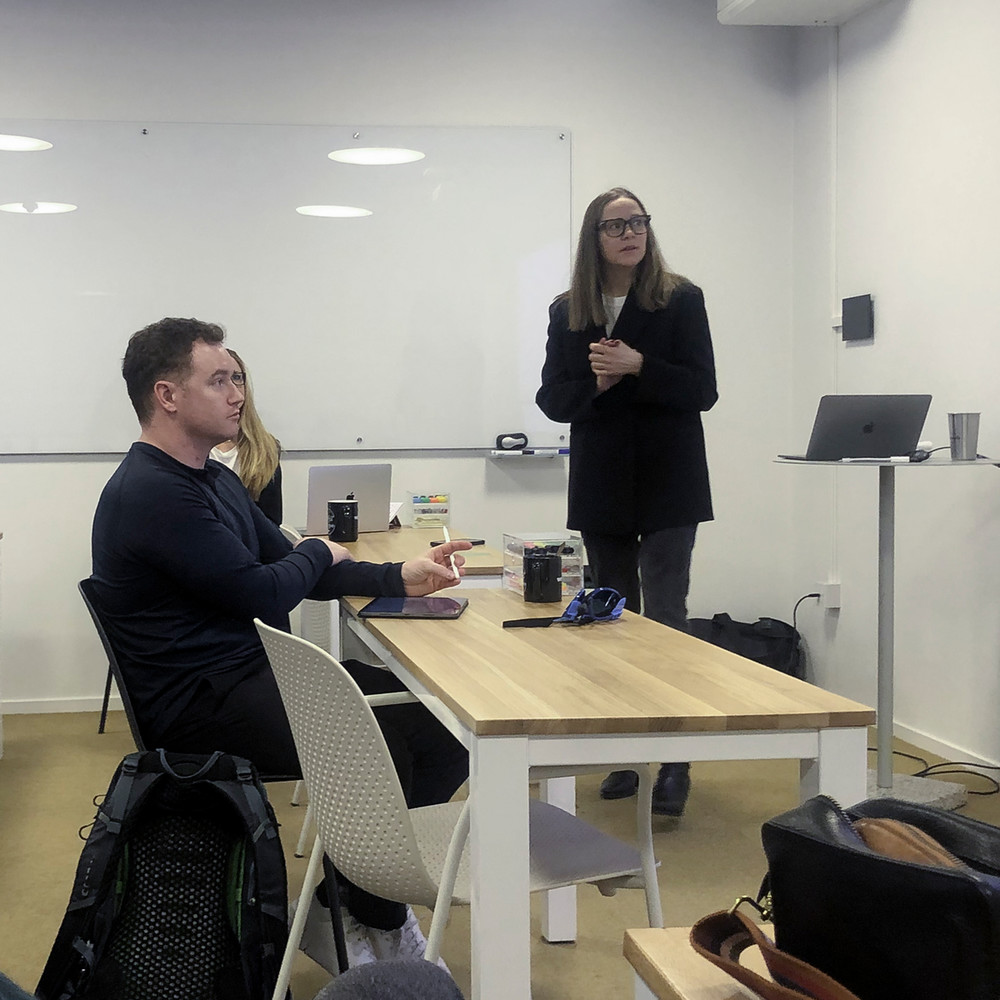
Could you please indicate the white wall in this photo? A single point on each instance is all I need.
(904, 204)
(697, 117)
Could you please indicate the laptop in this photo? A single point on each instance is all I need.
(370, 484)
(869, 426)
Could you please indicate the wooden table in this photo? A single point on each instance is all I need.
(607, 694)
(668, 968)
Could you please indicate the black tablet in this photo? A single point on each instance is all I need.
(414, 607)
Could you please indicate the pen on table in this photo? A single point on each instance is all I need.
(454, 568)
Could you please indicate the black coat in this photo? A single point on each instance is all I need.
(637, 451)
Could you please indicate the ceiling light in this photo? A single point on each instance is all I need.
(333, 211)
(22, 144)
(37, 207)
(375, 155)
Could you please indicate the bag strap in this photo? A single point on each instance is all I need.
(722, 937)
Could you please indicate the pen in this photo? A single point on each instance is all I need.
(471, 541)
(454, 568)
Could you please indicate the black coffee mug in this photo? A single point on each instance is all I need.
(342, 520)
(541, 573)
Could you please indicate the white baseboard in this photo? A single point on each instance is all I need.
(948, 751)
(44, 706)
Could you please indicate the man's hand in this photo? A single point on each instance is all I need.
(613, 358)
(432, 571)
(339, 553)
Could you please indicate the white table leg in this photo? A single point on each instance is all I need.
(498, 845)
(559, 905)
(840, 769)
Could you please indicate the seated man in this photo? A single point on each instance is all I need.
(183, 561)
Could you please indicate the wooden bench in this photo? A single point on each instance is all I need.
(668, 968)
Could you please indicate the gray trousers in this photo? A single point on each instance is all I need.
(652, 571)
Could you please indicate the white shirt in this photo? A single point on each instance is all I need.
(613, 309)
(230, 459)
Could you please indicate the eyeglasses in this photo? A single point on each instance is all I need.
(615, 227)
(601, 605)
(239, 378)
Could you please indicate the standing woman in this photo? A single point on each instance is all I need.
(253, 454)
(629, 366)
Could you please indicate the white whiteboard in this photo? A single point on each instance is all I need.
(420, 326)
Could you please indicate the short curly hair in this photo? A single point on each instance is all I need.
(162, 350)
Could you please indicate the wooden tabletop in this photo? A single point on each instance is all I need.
(629, 676)
(673, 970)
(400, 544)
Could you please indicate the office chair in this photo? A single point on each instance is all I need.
(411, 855)
(86, 588)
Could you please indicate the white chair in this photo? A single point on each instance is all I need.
(314, 617)
(412, 855)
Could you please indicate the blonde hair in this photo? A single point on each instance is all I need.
(653, 282)
(259, 450)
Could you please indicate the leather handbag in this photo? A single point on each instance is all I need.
(888, 900)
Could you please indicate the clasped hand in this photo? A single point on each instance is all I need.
(611, 359)
(614, 357)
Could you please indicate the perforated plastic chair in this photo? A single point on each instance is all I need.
(410, 855)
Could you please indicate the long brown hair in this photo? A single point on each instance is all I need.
(259, 450)
(653, 282)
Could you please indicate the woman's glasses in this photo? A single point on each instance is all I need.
(615, 227)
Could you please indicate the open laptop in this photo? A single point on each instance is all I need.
(370, 484)
(869, 426)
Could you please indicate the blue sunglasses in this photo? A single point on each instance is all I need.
(601, 605)
(604, 604)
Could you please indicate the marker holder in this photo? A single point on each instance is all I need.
(430, 510)
(571, 553)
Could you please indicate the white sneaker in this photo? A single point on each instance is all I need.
(318, 941)
(407, 941)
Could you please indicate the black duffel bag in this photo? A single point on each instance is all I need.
(769, 641)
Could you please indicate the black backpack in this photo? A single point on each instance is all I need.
(769, 641)
(180, 893)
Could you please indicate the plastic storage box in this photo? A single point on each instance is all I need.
(569, 548)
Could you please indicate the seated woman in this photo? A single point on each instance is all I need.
(254, 453)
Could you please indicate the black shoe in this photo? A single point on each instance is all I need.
(619, 785)
(670, 792)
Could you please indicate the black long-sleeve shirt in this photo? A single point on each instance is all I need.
(183, 561)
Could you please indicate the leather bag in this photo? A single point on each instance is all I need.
(889, 899)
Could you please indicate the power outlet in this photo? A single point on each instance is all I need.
(829, 596)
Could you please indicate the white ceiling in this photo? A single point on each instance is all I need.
(795, 12)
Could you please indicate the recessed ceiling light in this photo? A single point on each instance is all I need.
(375, 155)
(333, 211)
(22, 144)
(37, 207)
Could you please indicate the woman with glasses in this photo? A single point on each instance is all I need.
(629, 366)
(253, 454)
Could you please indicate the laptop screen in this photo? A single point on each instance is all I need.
(866, 426)
(370, 484)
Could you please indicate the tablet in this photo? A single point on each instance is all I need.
(414, 607)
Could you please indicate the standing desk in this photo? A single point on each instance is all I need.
(607, 694)
(921, 789)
